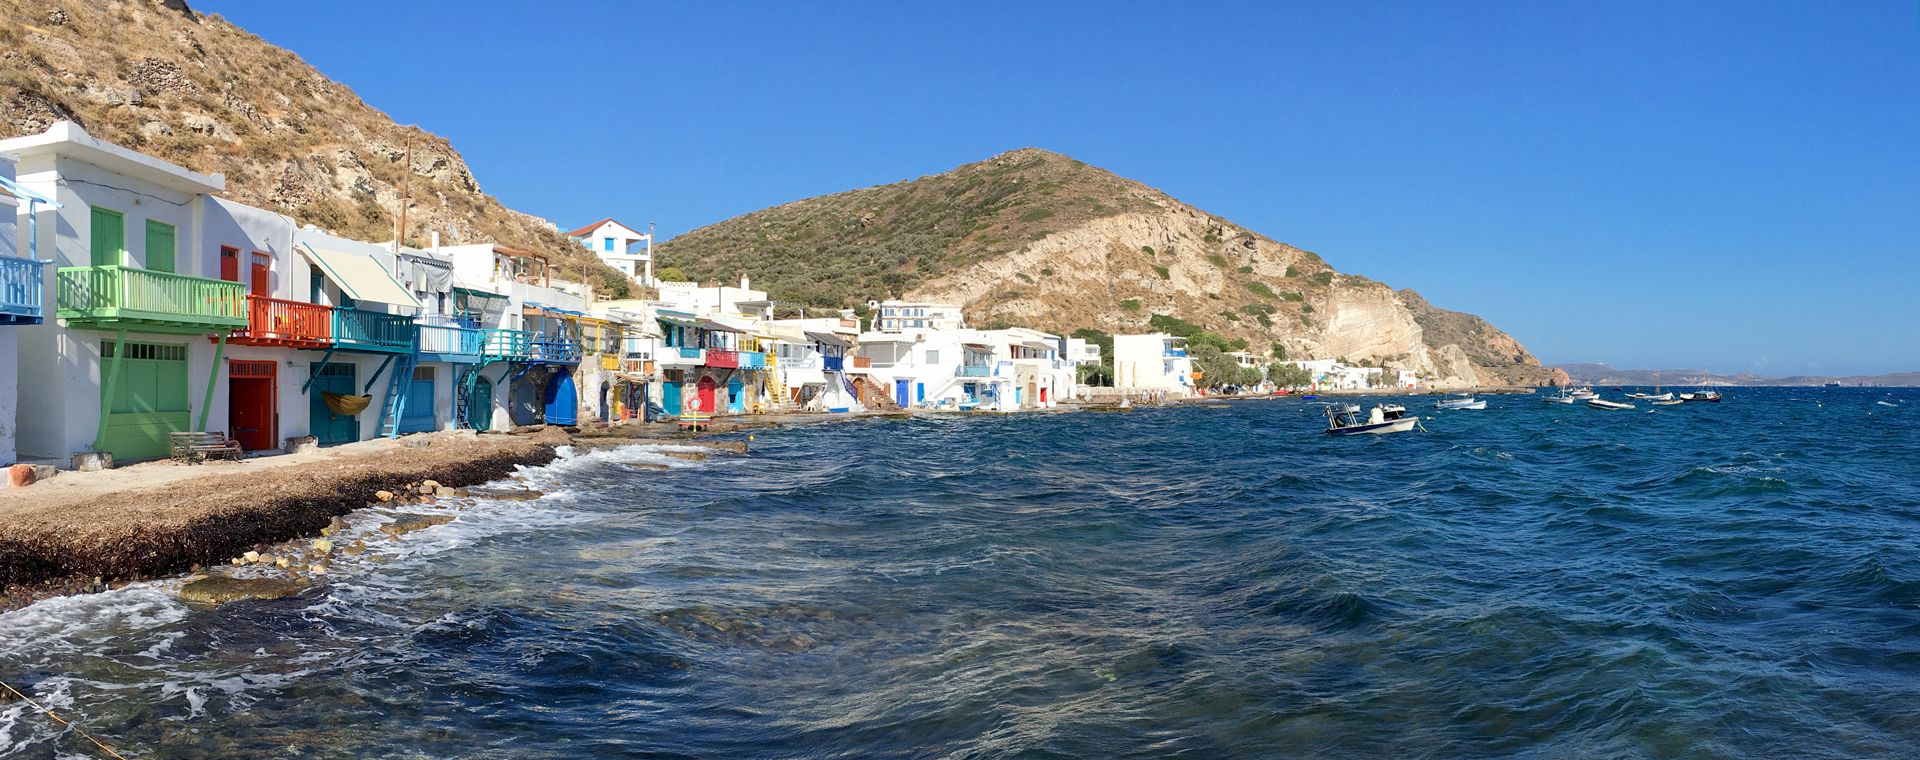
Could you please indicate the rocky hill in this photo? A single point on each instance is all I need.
(1603, 374)
(157, 77)
(1036, 238)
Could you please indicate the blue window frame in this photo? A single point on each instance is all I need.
(606, 244)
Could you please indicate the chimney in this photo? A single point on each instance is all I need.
(743, 283)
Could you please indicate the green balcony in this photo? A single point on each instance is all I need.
(129, 298)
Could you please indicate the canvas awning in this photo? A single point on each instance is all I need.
(360, 277)
(828, 338)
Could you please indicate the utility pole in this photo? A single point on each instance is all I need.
(650, 233)
(406, 197)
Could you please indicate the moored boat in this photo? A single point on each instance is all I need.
(1563, 397)
(1583, 394)
(1345, 419)
(1701, 395)
(1450, 404)
(1600, 403)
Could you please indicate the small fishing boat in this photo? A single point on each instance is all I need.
(1450, 404)
(1668, 402)
(1345, 419)
(1583, 394)
(1600, 403)
(1563, 397)
(1701, 395)
(1651, 397)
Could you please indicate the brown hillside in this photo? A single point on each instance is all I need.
(1035, 238)
(196, 90)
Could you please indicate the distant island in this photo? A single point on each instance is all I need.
(1602, 374)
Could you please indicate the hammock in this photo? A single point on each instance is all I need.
(346, 405)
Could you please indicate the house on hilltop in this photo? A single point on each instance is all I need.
(621, 247)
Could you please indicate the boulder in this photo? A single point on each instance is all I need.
(23, 475)
(323, 547)
(691, 456)
(383, 495)
(220, 589)
(410, 523)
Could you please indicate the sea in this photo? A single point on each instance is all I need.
(1737, 580)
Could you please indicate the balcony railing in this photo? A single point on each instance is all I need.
(833, 363)
(973, 370)
(505, 345)
(691, 353)
(363, 330)
(753, 360)
(21, 282)
(862, 362)
(1176, 353)
(280, 322)
(113, 296)
(451, 341)
(723, 358)
(554, 348)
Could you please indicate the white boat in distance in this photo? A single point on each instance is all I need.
(1600, 403)
(1669, 402)
(1583, 394)
(1450, 404)
(1563, 397)
(1651, 397)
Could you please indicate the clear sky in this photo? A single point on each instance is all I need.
(1735, 185)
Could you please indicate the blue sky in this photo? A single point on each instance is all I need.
(1734, 185)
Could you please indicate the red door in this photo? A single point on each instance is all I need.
(257, 279)
(250, 404)
(1043, 395)
(706, 395)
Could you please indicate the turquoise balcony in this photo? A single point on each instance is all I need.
(21, 282)
(364, 331)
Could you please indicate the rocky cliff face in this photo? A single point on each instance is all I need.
(193, 89)
(1035, 238)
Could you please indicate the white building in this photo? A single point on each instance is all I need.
(1331, 374)
(938, 369)
(710, 300)
(905, 316)
(1041, 375)
(22, 286)
(1079, 351)
(621, 247)
(1154, 362)
(530, 364)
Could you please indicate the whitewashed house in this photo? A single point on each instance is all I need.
(893, 316)
(621, 247)
(1152, 363)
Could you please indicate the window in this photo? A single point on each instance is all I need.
(933, 356)
(108, 241)
(606, 244)
(159, 246)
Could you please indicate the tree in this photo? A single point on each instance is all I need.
(1289, 375)
(671, 274)
(1105, 342)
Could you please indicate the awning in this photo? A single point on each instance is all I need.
(361, 278)
(828, 338)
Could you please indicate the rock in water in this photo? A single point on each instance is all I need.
(411, 523)
(691, 456)
(220, 589)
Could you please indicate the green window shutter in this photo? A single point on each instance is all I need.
(109, 235)
(159, 246)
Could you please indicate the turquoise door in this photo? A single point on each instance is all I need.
(670, 397)
(920, 393)
(330, 428)
(480, 404)
(736, 396)
(419, 415)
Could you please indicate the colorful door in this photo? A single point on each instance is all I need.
(108, 242)
(706, 394)
(563, 400)
(920, 393)
(418, 417)
(670, 401)
(480, 404)
(524, 405)
(251, 418)
(736, 396)
(900, 393)
(1043, 395)
(149, 400)
(330, 428)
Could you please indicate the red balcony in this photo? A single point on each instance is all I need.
(291, 324)
(720, 357)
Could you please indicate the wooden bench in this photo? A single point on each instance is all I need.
(194, 448)
(695, 422)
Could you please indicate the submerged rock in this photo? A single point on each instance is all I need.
(220, 589)
(516, 494)
(691, 456)
(648, 466)
(411, 523)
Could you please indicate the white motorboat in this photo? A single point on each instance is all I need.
(1563, 397)
(1651, 397)
(1600, 403)
(1583, 394)
(1669, 402)
(1701, 395)
(1451, 404)
(1345, 419)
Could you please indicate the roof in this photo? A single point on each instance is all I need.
(588, 230)
(68, 138)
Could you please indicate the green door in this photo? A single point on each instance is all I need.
(480, 404)
(149, 401)
(159, 246)
(330, 428)
(109, 237)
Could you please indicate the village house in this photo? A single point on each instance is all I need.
(22, 289)
(1152, 363)
(621, 247)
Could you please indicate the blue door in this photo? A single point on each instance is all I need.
(900, 393)
(330, 428)
(418, 416)
(670, 397)
(920, 393)
(563, 401)
(736, 399)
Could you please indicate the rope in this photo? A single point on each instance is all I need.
(63, 721)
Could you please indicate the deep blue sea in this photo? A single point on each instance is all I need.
(1720, 580)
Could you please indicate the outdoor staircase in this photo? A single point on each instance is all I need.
(399, 386)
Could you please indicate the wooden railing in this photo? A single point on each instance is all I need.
(119, 293)
(753, 360)
(276, 321)
(372, 330)
(555, 348)
(511, 345)
(21, 281)
(833, 363)
(449, 339)
(863, 362)
(722, 358)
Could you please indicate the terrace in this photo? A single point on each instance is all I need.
(365, 331)
(116, 297)
(283, 323)
(21, 281)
